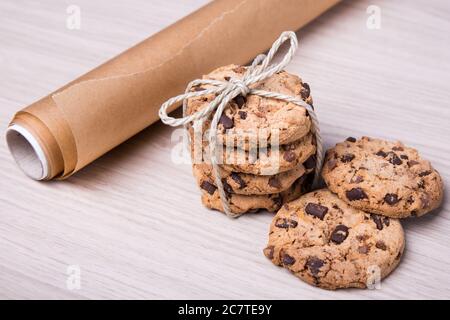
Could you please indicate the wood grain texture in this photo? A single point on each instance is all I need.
(133, 221)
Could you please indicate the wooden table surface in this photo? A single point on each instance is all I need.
(132, 221)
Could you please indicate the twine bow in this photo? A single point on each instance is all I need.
(225, 91)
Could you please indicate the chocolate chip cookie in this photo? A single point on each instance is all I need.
(240, 204)
(247, 119)
(272, 160)
(382, 177)
(249, 184)
(329, 244)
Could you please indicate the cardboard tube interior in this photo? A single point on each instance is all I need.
(27, 152)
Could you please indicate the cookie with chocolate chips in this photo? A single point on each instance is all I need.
(262, 161)
(329, 244)
(247, 119)
(240, 203)
(249, 184)
(382, 177)
(272, 160)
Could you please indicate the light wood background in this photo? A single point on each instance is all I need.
(132, 221)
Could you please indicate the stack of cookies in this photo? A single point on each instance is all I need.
(268, 148)
(350, 235)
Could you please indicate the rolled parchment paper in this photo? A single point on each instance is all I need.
(71, 127)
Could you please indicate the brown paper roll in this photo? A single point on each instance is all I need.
(63, 132)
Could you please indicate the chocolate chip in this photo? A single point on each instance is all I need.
(386, 221)
(381, 153)
(310, 163)
(227, 78)
(356, 194)
(226, 122)
(339, 234)
(305, 91)
(237, 178)
(316, 210)
(268, 252)
(243, 115)
(331, 164)
(364, 249)
(289, 156)
(347, 157)
(377, 220)
(285, 223)
(314, 264)
(239, 100)
(394, 159)
(396, 148)
(381, 245)
(404, 156)
(412, 163)
(425, 173)
(351, 139)
(278, 201)
(410, 200)
(391, 199)
(198, 89)
(274, 182)
(209, 187)
(226, 187)
(288, 260)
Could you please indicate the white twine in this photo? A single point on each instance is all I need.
(227, 90)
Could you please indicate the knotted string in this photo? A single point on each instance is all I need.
(225, 91)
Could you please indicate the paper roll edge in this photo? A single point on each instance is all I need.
(34, 148)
